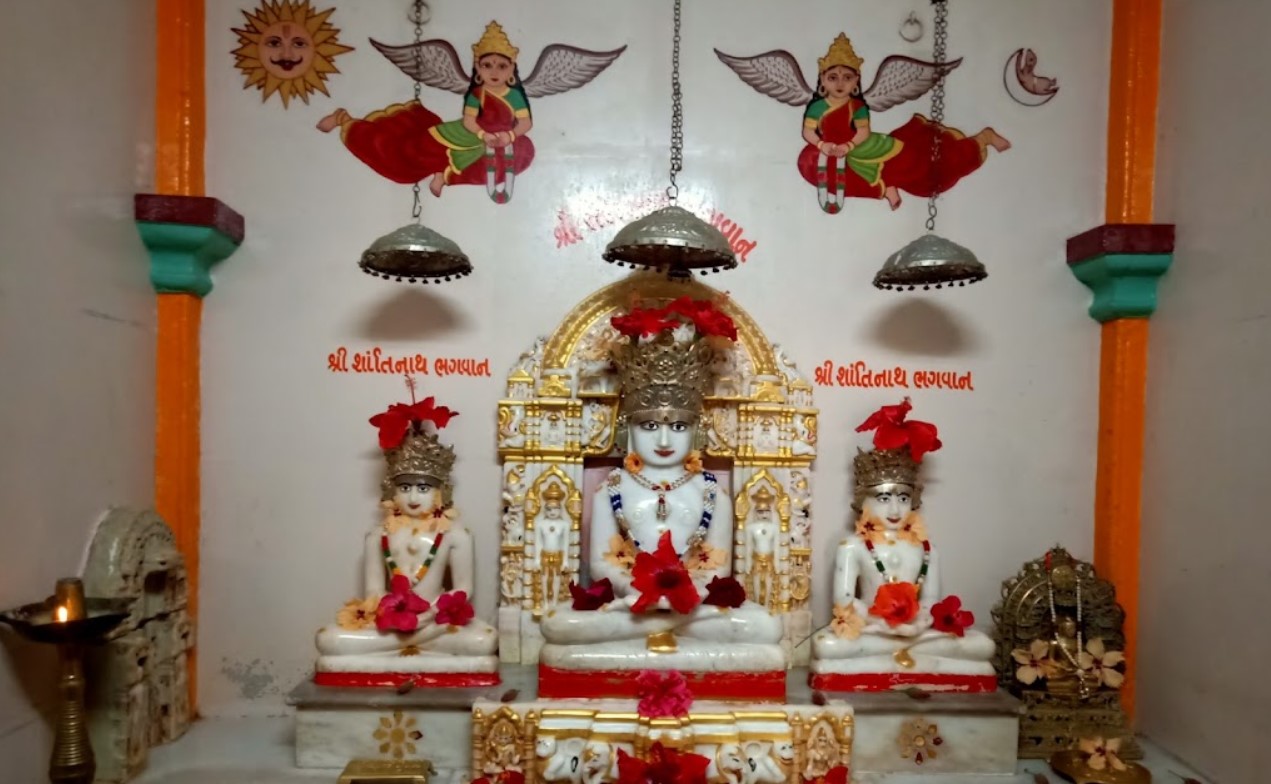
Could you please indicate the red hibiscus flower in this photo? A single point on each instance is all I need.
(665, 766)
(399, 610)
(663, 694)
(593, 597)
(454, 609)
(896, 603)
(948, 616)
(891, 431)
(724, 592)
(394, 423)
(660, 574)
(643, 322)
(709, 320)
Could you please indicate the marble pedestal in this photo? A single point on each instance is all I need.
(938, 734)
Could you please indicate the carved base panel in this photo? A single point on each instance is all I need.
(579, 741)
(432, 680)
(891, 681)
(1052, 724)
(942, 734)
(556, 683)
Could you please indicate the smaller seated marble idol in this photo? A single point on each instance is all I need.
(662, 595)
(416, 621)
(893, 627)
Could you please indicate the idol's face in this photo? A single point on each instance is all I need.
(840, 81)
(891, 503)
(414, 495)
(662, 444)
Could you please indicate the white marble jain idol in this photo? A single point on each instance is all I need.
(661, 491)
(412, 620)
(893, 627)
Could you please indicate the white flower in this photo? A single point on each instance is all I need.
(684, 333)
(1103, 663)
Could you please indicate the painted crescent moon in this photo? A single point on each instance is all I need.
(1017, 91)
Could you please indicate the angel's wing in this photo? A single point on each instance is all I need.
(434, 63)
(901, 79)
(562, 68)
(776, 74)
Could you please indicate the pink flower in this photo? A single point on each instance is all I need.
(454, 609)
(663, 693)
(399, 610)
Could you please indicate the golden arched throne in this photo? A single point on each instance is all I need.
(559, 433)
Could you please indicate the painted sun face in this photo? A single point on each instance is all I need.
(890, 503)
(287, 48)
(840, 82)
(495, 70)
(662, 444)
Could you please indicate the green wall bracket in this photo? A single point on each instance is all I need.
(186, 236)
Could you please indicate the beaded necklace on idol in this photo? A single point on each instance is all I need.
(391, 564)
(922, 572)
(662, 511)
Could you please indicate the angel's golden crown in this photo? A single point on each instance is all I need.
(840, 53)
(663, 378)
(420, 454)
(884, 466)
(494, 41)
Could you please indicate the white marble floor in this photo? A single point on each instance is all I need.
(260, 751)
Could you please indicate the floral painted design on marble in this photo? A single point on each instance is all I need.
(920, 740)
(397, 735)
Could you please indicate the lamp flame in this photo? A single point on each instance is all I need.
(62, 614)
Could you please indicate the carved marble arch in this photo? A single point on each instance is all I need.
(560, 417)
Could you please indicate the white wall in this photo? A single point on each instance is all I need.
(1206, 582)
(291, 467)
(76, 314)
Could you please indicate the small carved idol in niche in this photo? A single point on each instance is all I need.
(414, 620)
(762, 531)
(1059, 648)
(893, 624)
(514, 505)
(843, 155)
(489, 145)
(287, 48)
(552, 435)
(552, 527)
(767, 436)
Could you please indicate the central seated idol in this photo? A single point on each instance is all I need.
(892, 626)
(662, 595)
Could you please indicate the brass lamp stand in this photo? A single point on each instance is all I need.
(70, 622)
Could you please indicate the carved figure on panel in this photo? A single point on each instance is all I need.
(759, 553)
(801, 501)
(843, 156)
(552, 528)
(489, 145)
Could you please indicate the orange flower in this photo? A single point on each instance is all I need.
(693, 462)
(622, 552)
(357, 613)
(1034, 663)
(847, 624)
(633, 463)
(896, 603)
(1101, 754)
(913, 529)
(870, 528)
(703, 557)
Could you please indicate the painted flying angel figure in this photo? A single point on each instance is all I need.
(844, 156)
(407, 143)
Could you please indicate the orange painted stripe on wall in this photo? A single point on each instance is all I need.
(1119, 484)
(180, 134)
(177, 438)
(180, 105)
(1132, 107)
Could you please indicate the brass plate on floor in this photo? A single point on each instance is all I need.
(386, 772)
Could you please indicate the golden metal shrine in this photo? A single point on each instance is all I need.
(371, 771)
(1068, 703)
(561, 419)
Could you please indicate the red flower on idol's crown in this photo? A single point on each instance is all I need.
(397, 421)
(891, 431)
(704, 316)
(662, 574)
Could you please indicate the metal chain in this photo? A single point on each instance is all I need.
(938, 55)
(419, 15)
(677, 111)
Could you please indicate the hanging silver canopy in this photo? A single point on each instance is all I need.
(930, 261)
(673, 240)
(415, 253)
